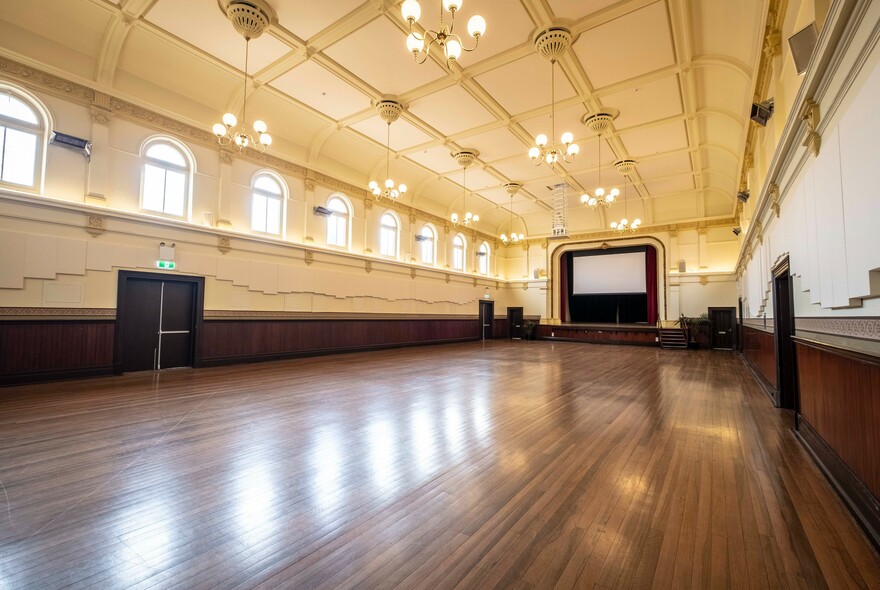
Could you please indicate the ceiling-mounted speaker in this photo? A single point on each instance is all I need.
(802, 45)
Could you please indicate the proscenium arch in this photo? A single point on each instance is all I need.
(556, 251)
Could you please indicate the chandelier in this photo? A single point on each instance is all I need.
(625, 168)
(512, 188)
(389, 110)
(599, 123)
(551, 44)
(250, 20)
(465, 158)
(444, 36)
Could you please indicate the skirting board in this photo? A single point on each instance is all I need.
(864, 507)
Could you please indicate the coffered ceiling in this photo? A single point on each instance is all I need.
(679, 72)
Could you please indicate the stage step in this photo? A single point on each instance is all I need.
(673, 338)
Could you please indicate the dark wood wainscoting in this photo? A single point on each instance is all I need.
(612, 334)
(45, 350)
(500, 329)
(759, 352)
(247, 340)
(839, 421)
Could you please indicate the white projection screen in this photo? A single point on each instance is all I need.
(609, 273)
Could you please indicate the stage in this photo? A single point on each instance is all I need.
(636, 334)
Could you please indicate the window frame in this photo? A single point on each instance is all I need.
(382, 227)
(188, 171)
(40, 130)
(433, 244)
(331, 221)
(282, 198)
(483, 267)
(463, 249)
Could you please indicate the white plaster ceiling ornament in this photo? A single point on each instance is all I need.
(464, 158)
(419, 44)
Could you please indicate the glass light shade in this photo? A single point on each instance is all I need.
(613, 225)
(610, 198)
(229, 120)
(541, 140)
(468, 215)
(476, 218)
(453, 49)
(376, 191)
(266, 139)
(637, 221)
(551, 157)
(567, 137)
(394, 193)
(241, 140)
(260, 126)
(534, 153)
(592, 202)
(584, 199)
(414, 44)
(373, 185)
(522, 237)
(389, 183)
(411, 10)
(600, 192)
(573, 149)
(454, 217)
(402, 188)
(219, 129)
(503, 237)
(451, 5)
(615, 192)
(476, 26)
(624, 221)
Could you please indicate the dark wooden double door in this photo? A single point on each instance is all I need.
(157, 321)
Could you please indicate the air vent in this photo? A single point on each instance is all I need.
(248, 18)
(553, 42)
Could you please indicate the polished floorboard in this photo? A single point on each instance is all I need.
(496, 465)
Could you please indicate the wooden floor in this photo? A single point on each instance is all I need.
(497, 465)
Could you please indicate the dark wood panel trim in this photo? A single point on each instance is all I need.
(54, 375)
(768, 388)
(259, 358)
(839, 350)
(584, 341)
(864, 507)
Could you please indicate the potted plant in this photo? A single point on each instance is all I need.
(698, 330)
(529, 329)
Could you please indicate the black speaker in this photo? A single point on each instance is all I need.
(743, 196)
(737, 231)
(761, 112)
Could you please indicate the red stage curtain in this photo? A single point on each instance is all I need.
(651, 282)
(564, 270)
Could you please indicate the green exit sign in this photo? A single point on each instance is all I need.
(167, 264)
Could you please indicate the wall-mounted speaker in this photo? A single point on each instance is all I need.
(682, 265)
(802, 45)
(324, 211)
(737, 231)
(743, 196)
(761, 112)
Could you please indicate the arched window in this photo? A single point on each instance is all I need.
(459, 246)
(388, 232)
(267, 204)
(483, 255)
(22, 140)
(167, 178)
(337, 223)
(427, 241)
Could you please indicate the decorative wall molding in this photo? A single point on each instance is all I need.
(56, 313)
(232, 314)
(95, 225)
(867, 328)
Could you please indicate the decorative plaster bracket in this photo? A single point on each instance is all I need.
(95, 226)
(704, 280)
(309, 257)
(368, 266)
(810, 115)
(412, 273)
(223, 244)
(774, 198)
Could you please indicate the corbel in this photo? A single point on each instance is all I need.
(223, 244)
(95, 226)
(810, 115)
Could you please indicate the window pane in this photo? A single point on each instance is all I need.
(19, 157)
(166, 153)
(15, 108)
(258, 213)
(267, 184)
(428, 251)
(387, 242)
(154, 188)
(273, 216)
(175, 192)
(337, 205)
(458, 258)
(336, 231)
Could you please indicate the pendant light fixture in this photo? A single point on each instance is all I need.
(445, 37)
(250, 19)
(390, 111)
(625, 168)
(464, 158)
(512, 188)
(598, 123)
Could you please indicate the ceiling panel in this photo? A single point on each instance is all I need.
(717, 89)
(311, 84)
(721, 130)
(578, 9)
(214, 33)
(435, 158)
(304, 19)
(626, 47)
(377, 54)
(477, 179)
(727, 28)
(651, 140)
(567, 119)
(451, 110)
(651, 101)
(496, 144)
(670, 185)
(665, 165)
(524, 84)
(403, 134)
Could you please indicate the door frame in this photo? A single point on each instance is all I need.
(487, 307)
(714, 332)
(512, 331)
(783, 331)
(198, 310)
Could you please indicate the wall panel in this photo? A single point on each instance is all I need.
(759, 349)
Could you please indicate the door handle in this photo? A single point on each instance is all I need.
(720, 332)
